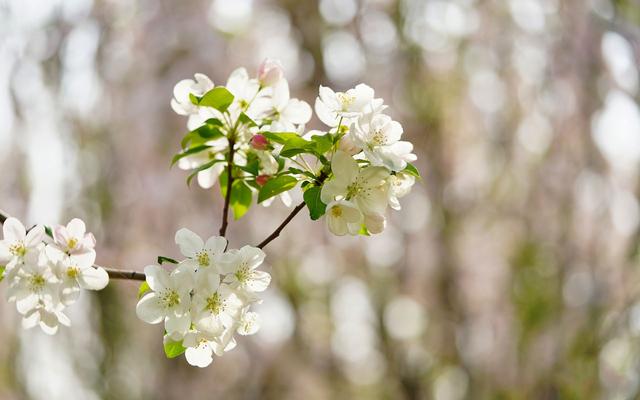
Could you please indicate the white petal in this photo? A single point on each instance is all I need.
(327, 116)
(182, 89)
(27, 303)
(216, 244)
(249, 324)
(149, 309)
(337, 226)
(35, 236)
(375, 223)
(280, 96)
(69, 292)
(344, 167)
(259, 281)
(13, 230)
(93, 278)
(48, 322)
(201, 356)
(178, 323)
(297, 112)
(157, 277)
(188, 242)
(76, 228)
(83, 259)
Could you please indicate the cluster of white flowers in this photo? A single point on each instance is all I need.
(206, 299)
(369, 163)
(265, 99)
(45, 278)
(369, 167)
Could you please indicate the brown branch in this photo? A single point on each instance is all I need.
(113, 273)
(227, 197)
(280, 227)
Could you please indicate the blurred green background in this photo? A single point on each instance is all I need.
(510, 273)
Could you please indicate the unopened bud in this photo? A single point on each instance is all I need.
(259, 142)
(270, 72)
(262, 179)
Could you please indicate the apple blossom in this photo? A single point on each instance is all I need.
(181, 102)
(200, 254)
(380, 140)
(169, 300)
(241, 266)
(343, 217)
(331, 106)
(17, 243)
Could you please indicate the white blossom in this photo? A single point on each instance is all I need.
(331, 106)
(400, 185)
(380, 140)
(200, 254)
(215, 306)
(17, 243)
(181, 102)
(168, 301)
(270, 72)
(241, 267)
(343, 217)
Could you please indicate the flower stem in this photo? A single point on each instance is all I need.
(227, 197)
(280, 227)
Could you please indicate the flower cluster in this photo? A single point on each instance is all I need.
(370, 168)
(351, 171)
(205, 299)
(45, 278)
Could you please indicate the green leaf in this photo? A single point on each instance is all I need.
(163, 259)
(143, 289)
(189, 152)
(210, 130)
(276, 186)
(281, 137)
(412, 170)
(48, 231)
(364, 231)
(194, 99)
(173, 349)
(2, 268)
(219, 98)
(246, 120)
(315, 205)
(202, 168)
(241, 198)
(323, 143)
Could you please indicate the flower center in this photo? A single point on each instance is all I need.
(73, 272)
(346, 100)
(170, 298)
(243, 273)
(36, 283)
(72, 243)
(378, 138)
(203, 259)
(243, 104)
(215, 304)
(336, 211)
(353, 190)
(18, 249)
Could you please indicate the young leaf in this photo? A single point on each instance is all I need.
(48, 231)
(323, 143)
(219, 98)
(246, 120)
(193, 150)
(312, 198)
(281, 137)
(2, 268)
(241, 198)
(412, 170)
(163, 259)
(143, 289)
(276, 186)
(173, 349)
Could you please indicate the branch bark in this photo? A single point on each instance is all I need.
(280, 227)
(113, 273)
(227, 197)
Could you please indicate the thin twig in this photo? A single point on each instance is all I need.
(227, 197)
(113, 273)
(284, 223)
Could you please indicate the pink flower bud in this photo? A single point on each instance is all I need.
(270, 72)
(262, 179)
(259, 142)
